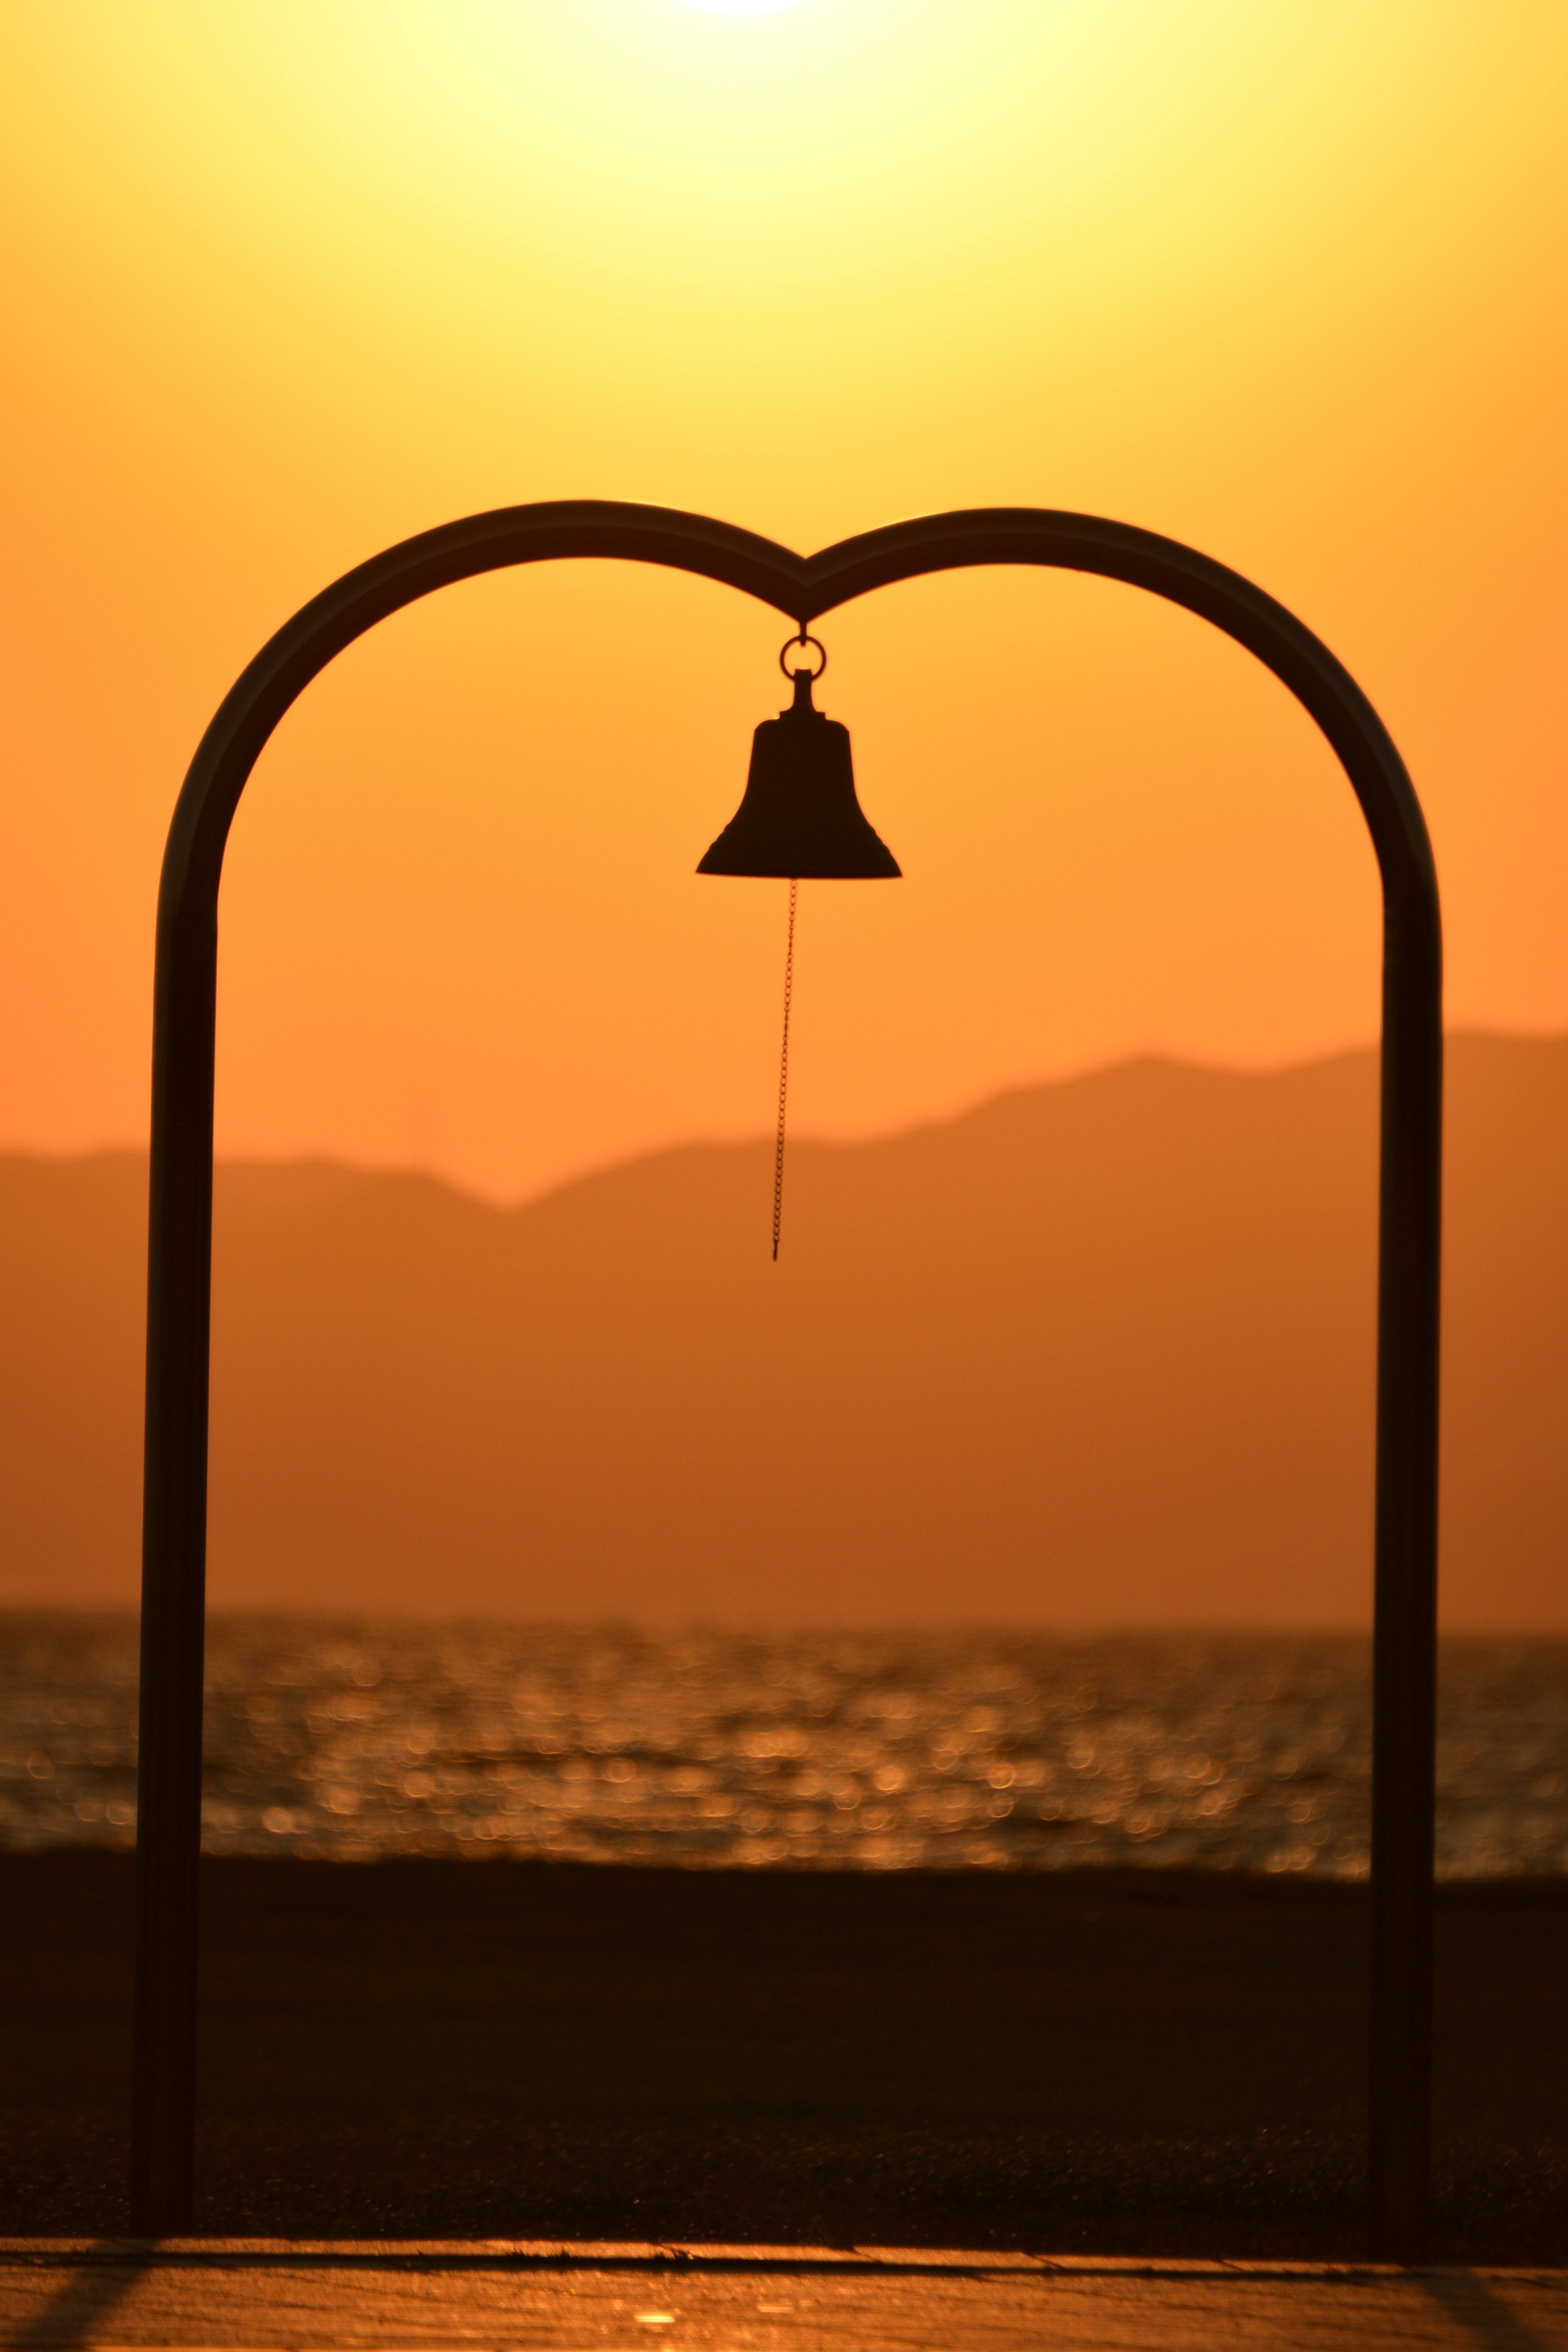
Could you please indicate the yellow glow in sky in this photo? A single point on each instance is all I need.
(283, 285)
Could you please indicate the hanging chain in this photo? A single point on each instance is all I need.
(784, 1072)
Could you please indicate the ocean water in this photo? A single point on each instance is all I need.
(868, 1751)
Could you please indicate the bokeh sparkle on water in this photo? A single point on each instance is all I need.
(817, 1750)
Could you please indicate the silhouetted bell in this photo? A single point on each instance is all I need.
(800, 817)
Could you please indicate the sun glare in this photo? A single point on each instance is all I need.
(739, 7)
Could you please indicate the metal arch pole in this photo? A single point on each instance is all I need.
(180, 1235)
(179, 1274)
(1405, 1607)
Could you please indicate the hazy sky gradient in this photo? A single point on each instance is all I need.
(285, 283)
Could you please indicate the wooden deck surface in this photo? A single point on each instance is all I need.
(261, 2292)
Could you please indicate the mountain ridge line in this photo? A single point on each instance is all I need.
(1096, 1353)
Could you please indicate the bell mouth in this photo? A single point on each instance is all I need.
(757, 852)
(800, 818)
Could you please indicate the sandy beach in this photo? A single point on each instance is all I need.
(1106, 2061)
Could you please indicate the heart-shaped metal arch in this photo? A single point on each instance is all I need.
(803, 588)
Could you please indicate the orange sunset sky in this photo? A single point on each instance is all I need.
(286, 280)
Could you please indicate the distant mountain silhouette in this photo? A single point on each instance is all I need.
(1095, 1353)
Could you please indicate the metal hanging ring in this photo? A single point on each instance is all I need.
(802, 639)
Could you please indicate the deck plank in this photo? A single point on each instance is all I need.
(303, 2297)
